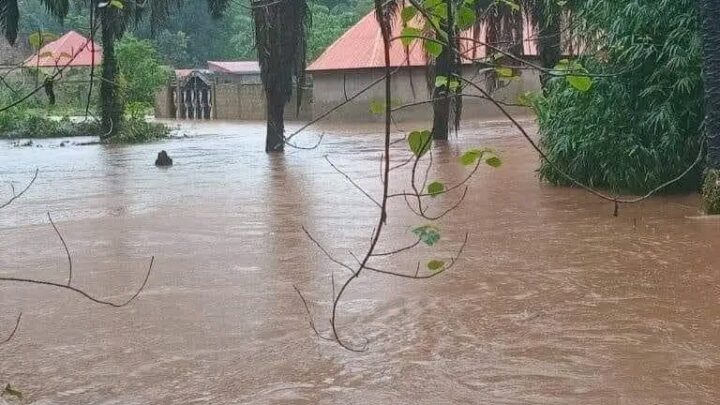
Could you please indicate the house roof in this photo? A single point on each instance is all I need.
(235, 67)
(181, 73)
(71, 49)
(361, 47)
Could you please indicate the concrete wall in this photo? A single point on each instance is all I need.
(408, 85)
(236, 100)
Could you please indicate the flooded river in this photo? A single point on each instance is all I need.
(554, 301)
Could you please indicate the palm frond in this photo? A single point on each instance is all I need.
(9, 19)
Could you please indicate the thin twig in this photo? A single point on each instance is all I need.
(16, 196)
(67, 251)
(83, 293)
(351, 181)
(14, 331)
(327, 254)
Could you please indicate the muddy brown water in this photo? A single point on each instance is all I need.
(555, 301)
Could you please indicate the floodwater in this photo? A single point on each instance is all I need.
(554, 300)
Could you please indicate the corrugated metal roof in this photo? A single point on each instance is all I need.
(235, 67)
(71, 49)
(361, 47)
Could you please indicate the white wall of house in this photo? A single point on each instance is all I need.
(409, 85)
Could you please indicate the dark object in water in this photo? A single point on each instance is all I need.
(163, 159)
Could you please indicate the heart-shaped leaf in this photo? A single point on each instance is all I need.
(419, 142)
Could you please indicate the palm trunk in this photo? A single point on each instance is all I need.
(441, 101)
(443, 97)
(711, 77)
(111, 106)
(275, 139)
(549, 45)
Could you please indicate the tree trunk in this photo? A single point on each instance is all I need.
(549, 44)
(710, 10)
(111, 105)
(275, 139)
(445, 65)
(441, 101)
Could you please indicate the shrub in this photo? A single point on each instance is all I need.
(137, 130)
(141, 69)
(637, 130)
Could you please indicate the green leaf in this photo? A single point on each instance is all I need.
(465, 18)
(432, 48)
(579, 82)
(511, 3)
(582, 83)
(427, 234)
(409, 34)
(377, 107)
(419, 142)
(117, 4)
(9, 391)
(527, 99)
(470, 157)
(40, 38)
(432, 3)
(441, 81)
(435, 188)
(493, 161)
(504, 72)
(408, 13)
(435, 265)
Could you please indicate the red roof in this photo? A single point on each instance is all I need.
(361, 47)
(72, 49)
(235, 67)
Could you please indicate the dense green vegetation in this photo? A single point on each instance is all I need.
(190, 36)
(642, 127)
(140, 70)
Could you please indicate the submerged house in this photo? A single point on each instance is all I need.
(356, 60)
(226, 90)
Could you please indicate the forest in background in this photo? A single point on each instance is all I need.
(190, 36)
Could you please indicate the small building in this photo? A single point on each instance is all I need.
(356, 60)
(226, 90)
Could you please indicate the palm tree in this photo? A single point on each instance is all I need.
(113, 22)
(10, 15)
(280, 28)
(711, 76)
(446, 99)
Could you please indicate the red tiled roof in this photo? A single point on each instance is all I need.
(361, 47)
(72, 49)
(235, 67)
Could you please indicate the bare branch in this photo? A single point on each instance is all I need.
(20, 194)
(83, 293)
(350, 180)
(67, 251)
(327, 254)
(14, 331)
(310, 317)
